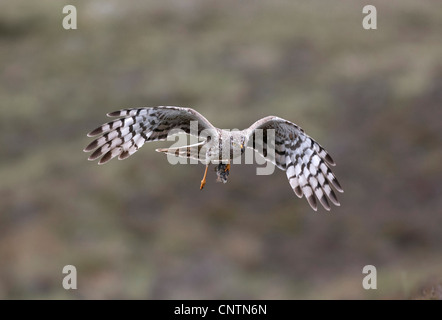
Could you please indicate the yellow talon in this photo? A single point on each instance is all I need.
(203, 182)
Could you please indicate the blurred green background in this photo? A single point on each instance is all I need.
(141, 228)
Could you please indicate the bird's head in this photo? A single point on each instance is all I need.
(239, 142)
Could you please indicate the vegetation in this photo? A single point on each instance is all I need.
(141, 228)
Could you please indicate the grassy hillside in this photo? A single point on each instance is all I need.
(141, 228)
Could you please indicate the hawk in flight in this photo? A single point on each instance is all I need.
(306, 163)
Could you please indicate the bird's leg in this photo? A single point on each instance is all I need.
(203, 182)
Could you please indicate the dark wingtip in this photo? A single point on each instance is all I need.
(105, 158)
(123, 155)
(97, 153)
(338, 185)
(298, 192)
(333, 198)
(114, 113)
(324, 202)
(95, 132)
(91, 146)
(330, 160)
(312, 202)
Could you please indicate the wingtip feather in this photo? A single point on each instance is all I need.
(95, 132)
(312, 202)
(337, 185)
(91, 146)
(330, 160)
(114, 114)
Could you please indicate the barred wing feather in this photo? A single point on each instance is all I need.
(307, 163)
(123, 137)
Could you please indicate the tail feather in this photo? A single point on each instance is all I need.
(195, 151)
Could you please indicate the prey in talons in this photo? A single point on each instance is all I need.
(222, 172)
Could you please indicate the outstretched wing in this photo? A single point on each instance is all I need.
(306, 163)
(124, 136)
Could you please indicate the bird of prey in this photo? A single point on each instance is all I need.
(306, 163)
